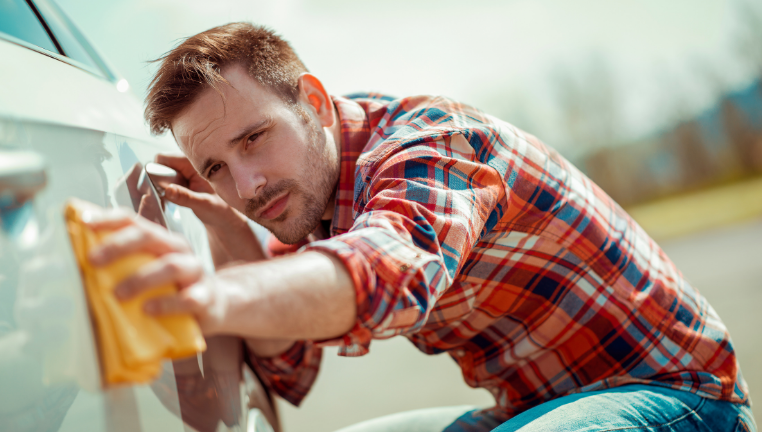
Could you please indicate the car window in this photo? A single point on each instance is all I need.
(69, 38)
(17, 19)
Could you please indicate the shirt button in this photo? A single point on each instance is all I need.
(460, 352)
(404, 267)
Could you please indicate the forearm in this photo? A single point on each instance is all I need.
(236, 243)
(303, 296)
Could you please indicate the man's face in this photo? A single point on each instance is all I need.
(274, 163)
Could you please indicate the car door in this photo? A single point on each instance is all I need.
(65, 115)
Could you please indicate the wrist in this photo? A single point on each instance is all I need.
(230, 224)
(234, 241)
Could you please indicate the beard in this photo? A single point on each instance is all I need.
(313, 192)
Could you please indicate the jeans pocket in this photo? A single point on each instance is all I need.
(746, 423)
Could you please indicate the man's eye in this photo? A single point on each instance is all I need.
(254, 137)
(214, 169)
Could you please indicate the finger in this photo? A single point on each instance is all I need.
(185, 197)
(172, 160)
(134, 173)
(149, 209)
(142, 236)
(179, 269)
(172, 305)
(178, 162)
(207, 207)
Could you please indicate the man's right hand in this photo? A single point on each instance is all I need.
(199, 196)
(230, 237)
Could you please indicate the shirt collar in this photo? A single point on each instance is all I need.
(355, 133)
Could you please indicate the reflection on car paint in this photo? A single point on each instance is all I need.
(14, 217)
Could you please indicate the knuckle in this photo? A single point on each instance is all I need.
(188, 303)
(173, 265)
(180, 242)
(171, 304)
(121, 242)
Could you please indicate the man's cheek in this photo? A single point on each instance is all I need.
(228, 192)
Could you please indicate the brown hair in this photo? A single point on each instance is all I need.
(196, 63)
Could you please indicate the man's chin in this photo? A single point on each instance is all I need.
(288, 239)
(284, 232)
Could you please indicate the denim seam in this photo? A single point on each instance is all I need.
(742, 424)
(692, 411)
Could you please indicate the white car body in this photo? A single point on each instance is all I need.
(89, 132)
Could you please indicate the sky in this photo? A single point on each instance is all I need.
(638, 64)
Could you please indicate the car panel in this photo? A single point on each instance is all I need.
(92, 137)
(39, 268)
(91, 102)
(89, 144)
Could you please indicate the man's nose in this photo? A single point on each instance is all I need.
(247, 181)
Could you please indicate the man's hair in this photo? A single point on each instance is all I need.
(196, 64)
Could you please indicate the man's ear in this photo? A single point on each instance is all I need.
(312, 92)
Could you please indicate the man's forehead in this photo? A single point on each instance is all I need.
(207, 108)
(219, 116)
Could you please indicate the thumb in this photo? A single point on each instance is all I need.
(207, 207)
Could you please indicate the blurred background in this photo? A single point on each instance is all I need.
(659, 102)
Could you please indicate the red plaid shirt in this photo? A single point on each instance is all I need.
(469, 236)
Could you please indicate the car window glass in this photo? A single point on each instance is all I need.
(63, 32)
(18, 20)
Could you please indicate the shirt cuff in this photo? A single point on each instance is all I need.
(386, 305)
(291, 374)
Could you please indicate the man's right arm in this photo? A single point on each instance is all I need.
(229, 235)
(230, 238)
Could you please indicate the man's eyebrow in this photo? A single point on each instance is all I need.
(242, 134)
(249, 129)
(205, 166)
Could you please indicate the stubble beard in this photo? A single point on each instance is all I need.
(321, 175)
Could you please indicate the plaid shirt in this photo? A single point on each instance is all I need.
(472, 237)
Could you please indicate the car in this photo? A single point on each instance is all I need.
(69, 127)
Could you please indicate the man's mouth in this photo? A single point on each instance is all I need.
(275, 207)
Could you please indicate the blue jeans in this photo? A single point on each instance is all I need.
(630, 408)
(634, 407)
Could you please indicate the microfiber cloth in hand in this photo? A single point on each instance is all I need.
(132, 344)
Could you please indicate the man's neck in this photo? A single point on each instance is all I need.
(336, 131)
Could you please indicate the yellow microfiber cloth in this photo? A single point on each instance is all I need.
(132, 344)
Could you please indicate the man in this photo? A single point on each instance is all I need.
(425, 218)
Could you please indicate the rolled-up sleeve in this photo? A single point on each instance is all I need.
(291, 374)
(425, 209)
